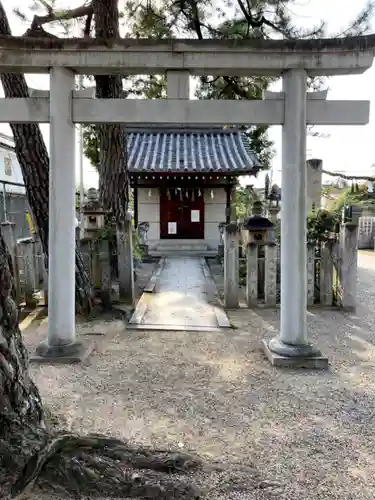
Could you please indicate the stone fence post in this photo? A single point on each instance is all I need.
(252, 275)
(270, 271)
(45, 286)
(326, 273)
(348, 269)
(38, 261)
(231, 266)
(314, 184)
(125, 261)
(26, 252)
(310, 270)
(103, 260)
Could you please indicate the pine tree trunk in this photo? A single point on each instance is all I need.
(33, 158)
(21, 411)
(112, 140)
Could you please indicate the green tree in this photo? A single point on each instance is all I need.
(357, 194)
(244, 198)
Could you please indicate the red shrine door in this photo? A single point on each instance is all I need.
(182, 213)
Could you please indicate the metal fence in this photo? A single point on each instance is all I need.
(14, 207)
(366, 232)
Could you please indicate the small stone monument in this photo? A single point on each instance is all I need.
(93, 214)
(221, 227)
(257, 230)
(143, 228)
(98, 249)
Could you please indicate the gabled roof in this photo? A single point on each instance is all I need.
(191, 151)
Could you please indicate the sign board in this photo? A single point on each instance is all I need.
(172, 227)
(195, 216)
(31, 223)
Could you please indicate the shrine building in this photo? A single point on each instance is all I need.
(183, 181)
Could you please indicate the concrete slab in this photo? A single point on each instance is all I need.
(222, 318)
(141, 309)
(149, 288)
(206, 269)
(182, 289)
(313, 363)
(175, 328)
(221, 315)
(32, 316)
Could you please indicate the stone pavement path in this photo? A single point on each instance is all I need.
(182, 298)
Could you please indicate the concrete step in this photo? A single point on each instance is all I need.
(182, 244)
(191, 253)
(187, 247)
(182, 248)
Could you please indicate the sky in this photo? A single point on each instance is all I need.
(346, 149)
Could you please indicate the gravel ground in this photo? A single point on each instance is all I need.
(297, 434)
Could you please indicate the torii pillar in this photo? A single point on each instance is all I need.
(292, 347)
(293, 340)
(61, 342)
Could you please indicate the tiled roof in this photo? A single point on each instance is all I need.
(160, 151)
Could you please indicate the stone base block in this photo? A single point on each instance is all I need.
(64, 354)
(308, 362)
(146, 257)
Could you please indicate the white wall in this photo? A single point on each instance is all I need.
(149, 211)
(16, 174)
(214, 214)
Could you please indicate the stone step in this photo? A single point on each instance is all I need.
(180, 243)
(197, 248)
(181, 247)
(193, 253)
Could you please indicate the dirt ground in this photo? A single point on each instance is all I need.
(296, 434)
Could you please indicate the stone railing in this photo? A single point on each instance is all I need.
(331, 271)
(110, 266)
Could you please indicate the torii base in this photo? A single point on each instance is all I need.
(65, 354)
(317, 362)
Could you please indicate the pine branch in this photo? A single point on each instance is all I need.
(36, 28)
(260, 21)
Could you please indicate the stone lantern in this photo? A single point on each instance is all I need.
(93, 214)
(258, 230)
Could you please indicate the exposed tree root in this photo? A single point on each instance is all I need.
(98, 465)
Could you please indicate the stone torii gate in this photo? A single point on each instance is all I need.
(292, 108)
